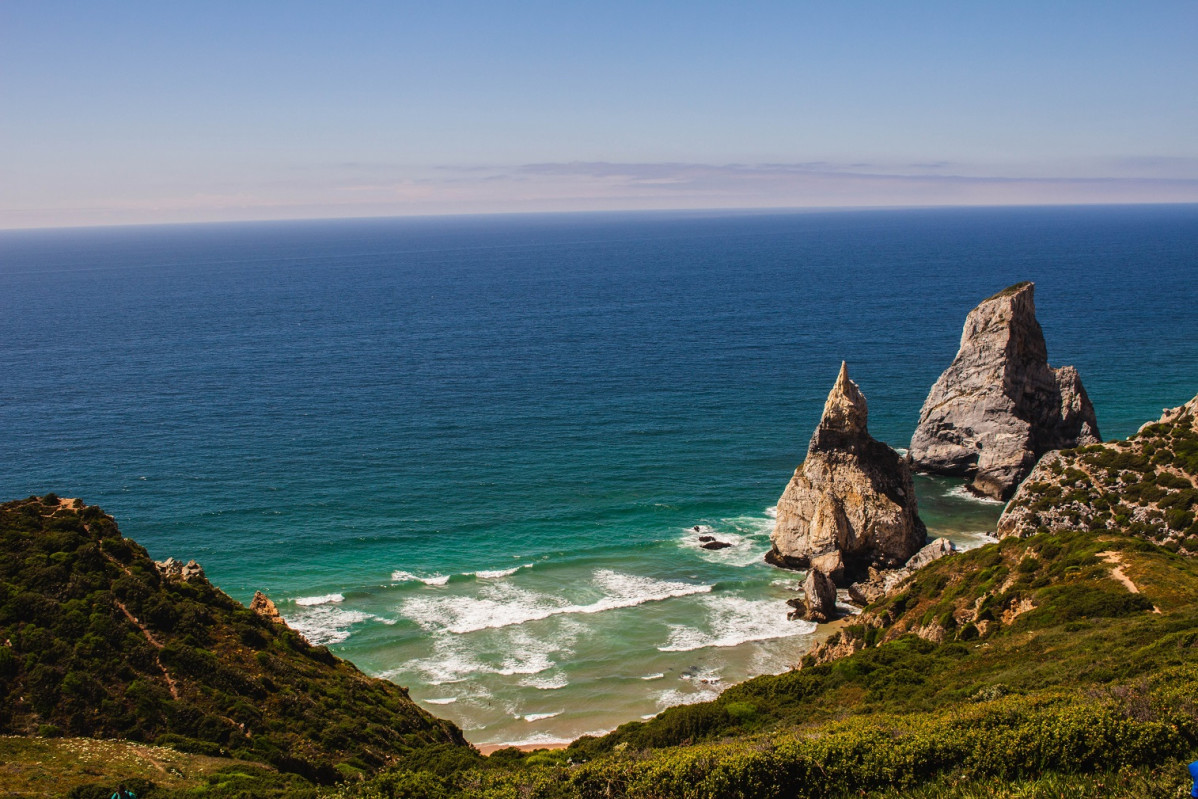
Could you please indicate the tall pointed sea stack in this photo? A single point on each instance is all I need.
(1000, 406)
(851, 503)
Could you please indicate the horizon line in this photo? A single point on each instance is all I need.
(721, 210)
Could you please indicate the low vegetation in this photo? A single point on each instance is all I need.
(96, 642)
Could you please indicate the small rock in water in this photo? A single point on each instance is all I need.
(706, 538)
(716, 545)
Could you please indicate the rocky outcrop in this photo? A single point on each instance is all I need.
(939, 548)
(851, 503)
(882, 583)
(1146, 485)
(263, 606)
(173, 569)
(819, 598)
(1000, 406)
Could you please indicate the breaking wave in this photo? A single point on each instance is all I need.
(732, 620)
(504, 605)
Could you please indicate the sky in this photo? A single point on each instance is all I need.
(146, 112)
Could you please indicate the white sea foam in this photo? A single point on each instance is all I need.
(326, 624)
(772, 512)
(449, 700)
(539, 716)
(525, 663)
(400, 576)
(543, 739)
(550, 682)
(324, 599)
(674, 697)
(961, 492)
(503, 605)
(457, 659)
(733, 620)
(656, 676)
(967, 541)
(492, 574)
(450, 662)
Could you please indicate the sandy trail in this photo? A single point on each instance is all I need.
(1116, 560)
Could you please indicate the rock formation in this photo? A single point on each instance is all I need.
(173, 569)
(1146, 485)
(263, 606)
(819, 599)
(1000, 406)
(851, 503)
(881, 583)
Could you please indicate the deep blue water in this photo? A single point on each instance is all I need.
(308, 407)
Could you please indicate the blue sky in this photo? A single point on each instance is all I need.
(129, 112)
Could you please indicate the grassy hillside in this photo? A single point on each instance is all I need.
(96, 642)
(83, 768)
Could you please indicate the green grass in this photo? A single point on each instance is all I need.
(33, 768)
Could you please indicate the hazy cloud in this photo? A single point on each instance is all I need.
(385, 189)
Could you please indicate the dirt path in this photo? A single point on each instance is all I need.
(154, 642)
(1116, 560)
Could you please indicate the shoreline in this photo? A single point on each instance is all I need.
(486, 750)
(821, 634)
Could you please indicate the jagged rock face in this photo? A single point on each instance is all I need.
(172, 569)
(1145, 485)
(819, 598)
(881, 584)
(851, 503)
(1000, 406)
(263, 606)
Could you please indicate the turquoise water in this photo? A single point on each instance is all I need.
(469, 453)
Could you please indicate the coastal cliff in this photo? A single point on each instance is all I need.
(851, 503)
(1146, 485)
(999, 406)
(98, 640)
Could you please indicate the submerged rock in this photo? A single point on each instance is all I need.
(999, 406)
(851, 502)
(714, 544)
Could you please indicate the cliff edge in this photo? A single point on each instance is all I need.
(99, 641)
(1146, 485)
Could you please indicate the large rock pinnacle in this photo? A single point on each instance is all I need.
(851, 503)
(999, 406)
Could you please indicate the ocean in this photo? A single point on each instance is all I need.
(469, 454)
